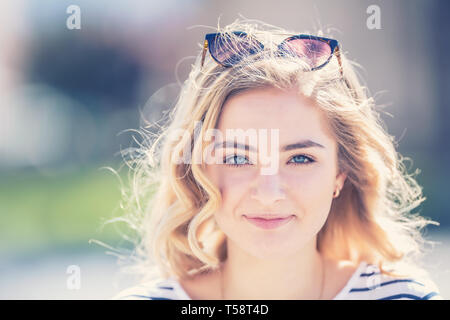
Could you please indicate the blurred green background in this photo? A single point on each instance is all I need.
(60, 211)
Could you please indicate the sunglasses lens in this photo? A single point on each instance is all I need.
(229, 50)
(315, 52)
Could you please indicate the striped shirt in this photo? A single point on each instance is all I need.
(366, 283)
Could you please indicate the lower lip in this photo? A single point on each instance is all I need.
(269, 224)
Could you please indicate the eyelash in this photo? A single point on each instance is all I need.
(310, 161)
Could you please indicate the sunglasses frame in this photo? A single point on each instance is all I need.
(334, 47)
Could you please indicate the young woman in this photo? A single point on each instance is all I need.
(276, 180)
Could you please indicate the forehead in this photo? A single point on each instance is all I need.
(296, 116)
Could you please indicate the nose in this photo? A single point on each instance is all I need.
(268, 189)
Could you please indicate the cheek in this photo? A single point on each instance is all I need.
(312, 182)
(231, 187)
(232, 184)
(311, 189)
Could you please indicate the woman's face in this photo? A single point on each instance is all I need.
(301, 187)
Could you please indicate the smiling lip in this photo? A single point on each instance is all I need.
(269, 221)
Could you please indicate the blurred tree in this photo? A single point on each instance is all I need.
(96, 74)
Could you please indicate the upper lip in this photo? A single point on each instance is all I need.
(268, 216)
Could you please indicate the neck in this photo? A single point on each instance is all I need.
(244, 276)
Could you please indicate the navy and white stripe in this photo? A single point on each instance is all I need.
(367, 283)
(160, 289)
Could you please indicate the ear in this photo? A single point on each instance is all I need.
(340, 179)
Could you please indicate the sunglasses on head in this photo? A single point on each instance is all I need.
(315, 51)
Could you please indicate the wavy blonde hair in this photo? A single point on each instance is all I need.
(171, 205)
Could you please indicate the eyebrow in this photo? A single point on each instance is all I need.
(298, 145)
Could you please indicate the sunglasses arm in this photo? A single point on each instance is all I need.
(337, 53)
(205, 47)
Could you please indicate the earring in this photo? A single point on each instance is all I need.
(336, 193)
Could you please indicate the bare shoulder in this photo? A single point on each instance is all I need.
(346, 267)
(337, 274)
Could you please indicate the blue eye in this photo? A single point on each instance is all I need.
(302, 160)
(239, 161)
